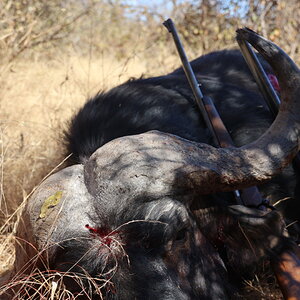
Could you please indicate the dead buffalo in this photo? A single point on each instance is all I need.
(145, 211)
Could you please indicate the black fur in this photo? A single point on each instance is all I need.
(166, 103)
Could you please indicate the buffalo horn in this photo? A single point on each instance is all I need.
(165, 164)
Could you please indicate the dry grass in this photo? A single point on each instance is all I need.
(50, 285)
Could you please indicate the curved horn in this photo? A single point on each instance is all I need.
(161, 164)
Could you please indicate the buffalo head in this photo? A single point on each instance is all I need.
(134, 217)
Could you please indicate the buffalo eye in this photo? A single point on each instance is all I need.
(181, 234)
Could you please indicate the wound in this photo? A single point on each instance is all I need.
(274, 81)
(105, 235)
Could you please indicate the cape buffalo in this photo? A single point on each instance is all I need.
(144, 211)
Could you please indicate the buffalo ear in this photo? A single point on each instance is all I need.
(245, 235)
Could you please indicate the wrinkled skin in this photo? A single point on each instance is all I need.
(133, 214)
